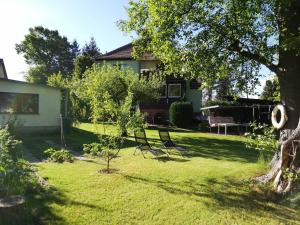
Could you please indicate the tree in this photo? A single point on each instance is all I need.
(48, 52)
(75, 49)
(91, 49)
(113, 93)
(76, 108)
(211, 39)
(83, 62)
(271, 90)
(87, 58)
(38, 74)
(239, 82)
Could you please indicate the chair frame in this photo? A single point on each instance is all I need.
(140, 145)
(169, 140)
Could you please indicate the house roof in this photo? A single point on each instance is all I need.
(26, 83)
(125, 53)
(3, 68)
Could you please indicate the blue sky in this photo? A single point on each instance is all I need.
(80, 20)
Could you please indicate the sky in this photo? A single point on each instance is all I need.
(80, 20)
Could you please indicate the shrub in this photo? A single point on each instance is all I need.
(181, 113)
(262, 138)
(15, 172)
(59, 156)
(111, 148)
(93, 149)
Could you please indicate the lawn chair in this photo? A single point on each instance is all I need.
(168, 143)
(144, 146)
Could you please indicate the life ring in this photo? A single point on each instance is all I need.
(283, 116)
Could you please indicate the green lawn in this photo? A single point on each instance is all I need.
(209, 186)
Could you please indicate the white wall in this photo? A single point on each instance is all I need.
(49, 104)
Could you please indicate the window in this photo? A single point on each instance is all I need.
(163, 91)
(174, 90)
(19, 103)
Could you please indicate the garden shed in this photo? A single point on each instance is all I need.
(32, 107)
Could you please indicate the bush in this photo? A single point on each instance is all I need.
(15, 172)
(94, 149)
(59, 156)
(181, 113)
(262, 138)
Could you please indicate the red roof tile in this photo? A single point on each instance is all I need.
(124, 52)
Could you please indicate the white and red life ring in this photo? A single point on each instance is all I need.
(283, 116)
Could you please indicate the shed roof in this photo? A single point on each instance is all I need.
(26, 83)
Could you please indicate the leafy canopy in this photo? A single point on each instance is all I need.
(220, 36)
(86, 59)
(113, 93)
(47, 52)
(271, 90)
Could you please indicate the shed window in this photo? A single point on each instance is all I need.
(19, 103)
(174, 90)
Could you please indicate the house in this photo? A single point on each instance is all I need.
(2, 70)
(33, 107)
(173, 90)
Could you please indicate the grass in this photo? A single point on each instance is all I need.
(209, 186)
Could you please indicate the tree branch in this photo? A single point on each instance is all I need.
(254, 56)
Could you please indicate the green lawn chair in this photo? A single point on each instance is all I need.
(168, 143)
(144, 146)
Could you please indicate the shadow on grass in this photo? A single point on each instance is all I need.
(38, 210)
(78, 137)
(219, 149)
(172, 129)
(233, 150)
(220, 194)
(37, 145)
(171, 159)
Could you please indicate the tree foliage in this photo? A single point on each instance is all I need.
(90, 52)
(77, 110)
(262, 138)
(47, 52)
(91, 49)
(271, 90)
(113, 94)
(15, 172)
(222, 37)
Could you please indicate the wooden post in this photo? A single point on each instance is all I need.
(62, 137)
(66, 103)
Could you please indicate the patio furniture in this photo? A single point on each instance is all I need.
(219, 121)
(168, 143)
(144, 146)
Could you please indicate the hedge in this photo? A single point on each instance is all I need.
(181, 113)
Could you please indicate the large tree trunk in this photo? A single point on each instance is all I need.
(285, 159)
